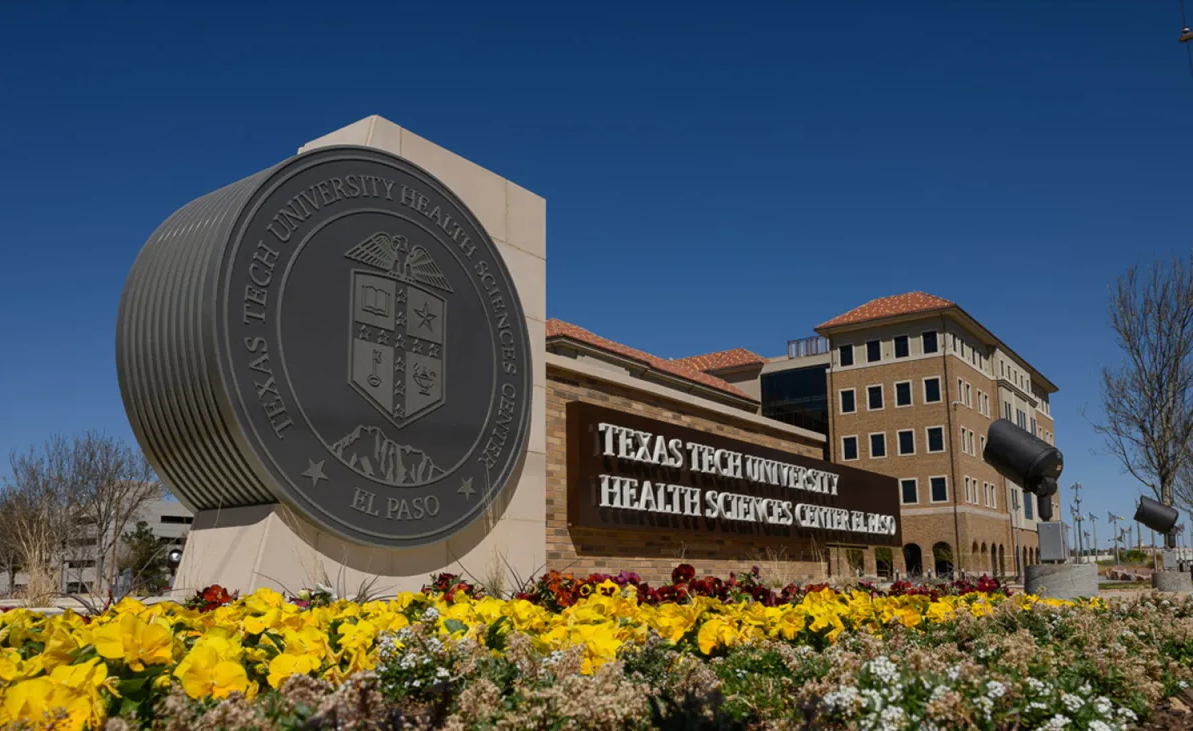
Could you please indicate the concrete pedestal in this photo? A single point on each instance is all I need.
(1173, 581)
(1062, 581)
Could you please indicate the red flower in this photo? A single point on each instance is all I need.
(682, 574)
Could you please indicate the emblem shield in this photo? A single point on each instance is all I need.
(396, 353)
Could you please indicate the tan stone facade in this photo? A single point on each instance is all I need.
(972, 525)
(653, 556)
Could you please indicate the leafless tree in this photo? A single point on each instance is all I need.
(67, 502)
(117, 482)
(1147, 400)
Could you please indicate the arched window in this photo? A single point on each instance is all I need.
(942, 555)
(913, 559)
(884, 562)
(1002, 561)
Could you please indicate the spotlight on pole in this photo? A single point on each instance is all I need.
(1027, 459)
(174, 557)
(1156, 516)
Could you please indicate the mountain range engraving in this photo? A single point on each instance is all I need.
(367, 450)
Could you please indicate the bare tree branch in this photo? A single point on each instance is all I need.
(1147, 400)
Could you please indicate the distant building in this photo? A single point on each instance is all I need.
(169, 520)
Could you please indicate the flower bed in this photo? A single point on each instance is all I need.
(601, 652)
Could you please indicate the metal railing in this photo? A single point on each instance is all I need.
(804, 347)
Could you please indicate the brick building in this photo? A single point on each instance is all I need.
(584, 368)
(907, 386)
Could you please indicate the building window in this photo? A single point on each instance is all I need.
(993, 495)
(932, 390)
(983, 442)
(902, 349)
(798, 396)
(968, 491)
(928, 341)
(969, 395)
(873, 351)
(848, 401)
(1006, 410)
(1028, 508)
(848, 449)
(939, 488)
(1021, 419)
(906, 441)
(903, 393)
(845, 355)
(185, 519)
(935, 439)
(877, 445)
(874, 397)
(960, 391)
(910, 490)
(1033, 427)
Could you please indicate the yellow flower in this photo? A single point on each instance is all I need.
(287, 664)
(35, 701)
(714, 633)
(137, 642)
(212, 668)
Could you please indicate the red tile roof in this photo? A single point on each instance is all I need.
(559, 328)
(899, 304)
(722, 359)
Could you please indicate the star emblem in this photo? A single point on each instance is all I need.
(400, 389)
(399, 341)
(315, 471)
(401, 319)
(466, 489)
(364, 332)
(399, 365)
(426, 317)
(418, 347)
(434, 353)
(401, 297)
(383, 338)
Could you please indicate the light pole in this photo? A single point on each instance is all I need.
(1093, 522)
(1075, 509)
(1115, 532)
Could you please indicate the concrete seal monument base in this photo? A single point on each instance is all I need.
(268, 544)
(1172, 581)
(1062, 580)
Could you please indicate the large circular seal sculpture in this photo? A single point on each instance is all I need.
(337, 333)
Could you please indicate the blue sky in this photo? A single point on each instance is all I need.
(717, 174)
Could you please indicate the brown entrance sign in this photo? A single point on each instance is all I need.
(629, 472)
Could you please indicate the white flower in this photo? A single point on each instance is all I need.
(442, 672)
(844, 698)
(954, 673)
(1057, 722)
(883, 668)
(430, 615)
(1103, 705)
(1037, 706)
(995, 689)
(939, 692)
(873, 699)
(1085, 689)
(1128, 714)
(1035, 685)
(1099, 726)
(985, 704)
(892, 718)
(1072, 702)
